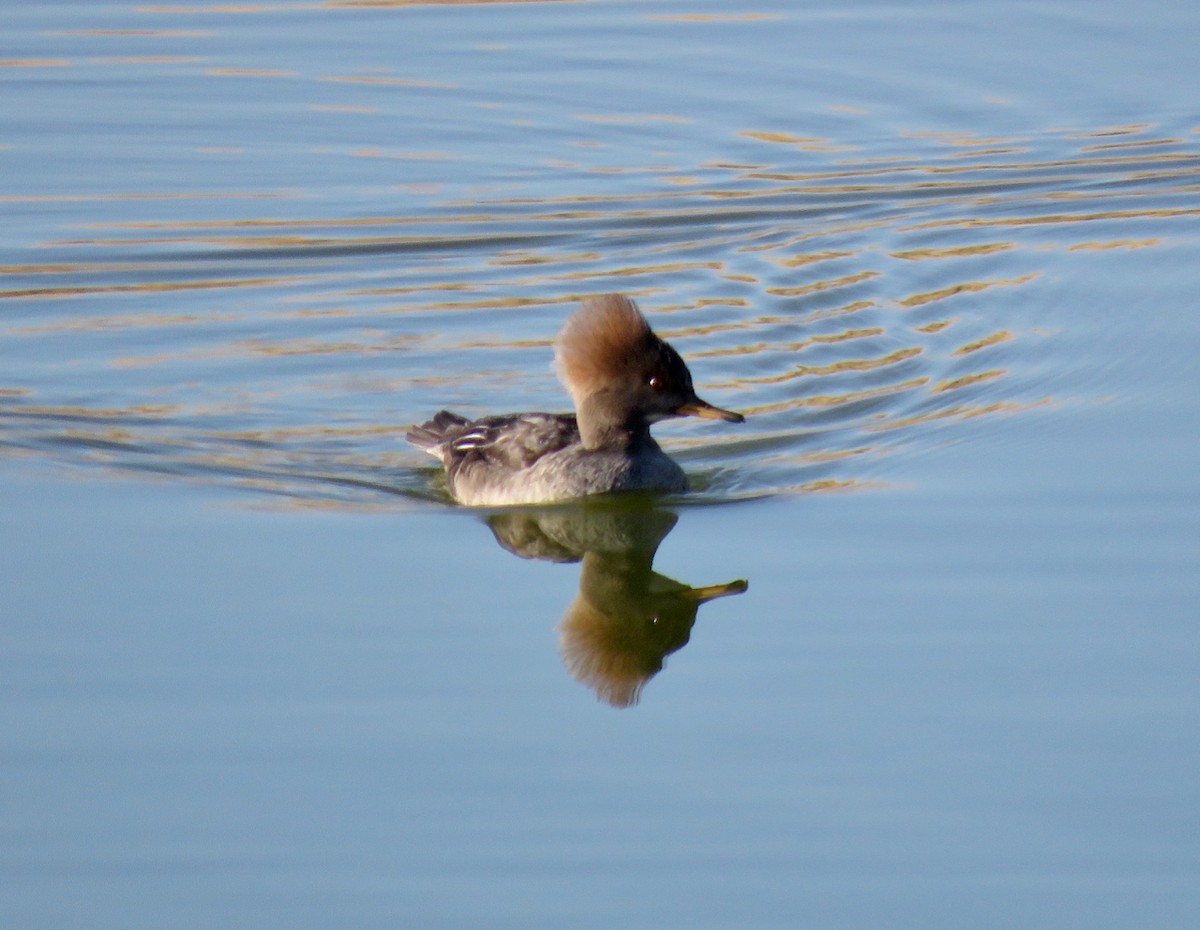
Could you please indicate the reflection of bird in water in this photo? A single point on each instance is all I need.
(624, 623)
(626, 618)
(622, 378)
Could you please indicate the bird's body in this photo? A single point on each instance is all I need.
(530, 458)
(622, 378)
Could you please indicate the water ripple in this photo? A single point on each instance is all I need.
(855, 305)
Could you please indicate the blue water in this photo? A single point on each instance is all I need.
(256, 671)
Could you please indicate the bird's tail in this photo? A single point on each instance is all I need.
(434, 434)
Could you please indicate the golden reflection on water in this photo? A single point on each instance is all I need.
(1118, 244)
(51, 293)
(848, 399)
(968, 380)
(817, 286)
(989, 248)
(960, 412)
(840, 367)
(966, 287)
(132, 321)
(812, 294)
(995, 338)
(34, 63)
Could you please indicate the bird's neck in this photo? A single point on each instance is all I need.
(605, 424)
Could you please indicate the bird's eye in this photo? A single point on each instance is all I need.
(655, 382)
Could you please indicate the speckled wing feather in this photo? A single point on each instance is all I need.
(510, 441)
(515, 441)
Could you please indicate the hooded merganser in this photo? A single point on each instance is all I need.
(622, 378)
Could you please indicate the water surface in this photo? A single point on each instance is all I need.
(932, 664)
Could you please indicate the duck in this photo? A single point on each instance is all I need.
(622, 378)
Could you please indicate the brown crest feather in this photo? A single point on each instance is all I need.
(599, 342)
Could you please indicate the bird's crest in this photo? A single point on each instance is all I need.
(599, 342)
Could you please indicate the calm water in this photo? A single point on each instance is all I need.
(921, 650)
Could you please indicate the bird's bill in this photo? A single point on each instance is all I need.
(713, 591)
(699, 408)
